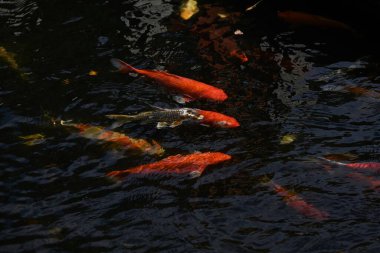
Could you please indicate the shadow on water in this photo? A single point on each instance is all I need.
(298, 95)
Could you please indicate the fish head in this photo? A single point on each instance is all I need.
(215, 94)
(220, 95)
(218, 119)
(200, 159)
(228, 123)
(218, 157)
(190, 113)
(209, 158)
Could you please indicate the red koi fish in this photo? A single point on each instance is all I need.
(306, 19)
(374, 166)
(299, 204)
(374, 184)
(193, 164)
(217, 119)
(190, 88)
(99, 133)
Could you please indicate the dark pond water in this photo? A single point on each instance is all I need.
(318, 89)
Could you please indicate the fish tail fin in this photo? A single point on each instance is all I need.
(157, 149)
(117, 175)
(123, 67)
(265, 180)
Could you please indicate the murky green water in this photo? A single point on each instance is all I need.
(318, 92)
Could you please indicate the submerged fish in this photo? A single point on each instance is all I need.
(374, 166)
(288, 138)
(9, 58)
(356, 90)
(33, 139)
(306, 19)
(373, 183)
(191, 89)
(361, 91)
(175, 117)
(299, 204)
(99, 133)
(193, 164)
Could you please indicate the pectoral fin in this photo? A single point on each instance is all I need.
(197, 171)
(169, 124)
(182, 99)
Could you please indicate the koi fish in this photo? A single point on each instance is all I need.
(299, 204)
(216, 119)
(374, 184)
(9, 58)
(191, 89)
(374, 166)
(99, 133)
(306, 19)
(359, 91)
(164, 117)
(193, 164)
(175, 117)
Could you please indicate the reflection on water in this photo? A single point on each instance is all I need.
(296, 98)
(20, 15)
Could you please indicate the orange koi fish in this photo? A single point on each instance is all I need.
(359, 91)
(362, 92)
(217, 119)
(306, 19)
(374, 166)
(189, 88)
(193, 164)
(99, 133)
(299, 204)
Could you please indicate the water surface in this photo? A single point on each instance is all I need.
(54, 193)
